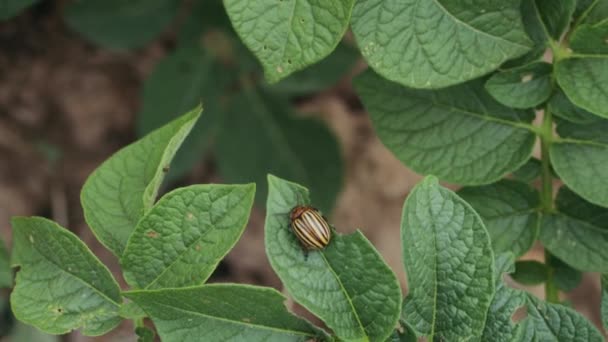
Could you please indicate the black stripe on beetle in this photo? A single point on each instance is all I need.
(310, 227)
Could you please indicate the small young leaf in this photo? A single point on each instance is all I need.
(287, 36)
(535, 29)
(434, 44)
(460, 133)
(180, 241)
(319, 76)
(178, 83)
(404, 333)
(6, 274)
(499, 323)
(300, 149)
(449, 264)
(529, 171)
(561, 106)
(118, 24)
(523, 87)
(61, 286)
(222, 312)
(581, 159)
(144, 334)
(556, 322)
(124, 187)
(530, 272)
(576, 242)
(131, 310)
(565, 277)
(347, 284)
(10, 8)
(509, 211)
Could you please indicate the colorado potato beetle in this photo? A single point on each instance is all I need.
(310, 227)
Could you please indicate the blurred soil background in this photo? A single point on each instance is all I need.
(66, 105)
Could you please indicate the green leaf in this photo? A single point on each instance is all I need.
(434, 44)
(529, 171)
(178, 83)
(319, 76)
(530, 272)
(604, 303)
(522, 87)
(222, 312)
(509, 210)
(180, 241)
(499, 324)
(6, 274)
(347, 284)
(565, 277)
(585, 82)
(10, 8)
(580, 159)
(118, 24)
(260, 134)
(144, 334)
(459, 134)
(571, 204)
(576, 242)
(591, 11)
(124, 187)
(449, 264)
(556, 322)
(555, 15)
(61, 286)
(590, 39)
(404, 333)
(561, 106)
(287, 36)
(535, 29)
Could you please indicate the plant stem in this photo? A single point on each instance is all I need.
(551, 291)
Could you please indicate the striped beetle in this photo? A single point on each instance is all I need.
(310, 227)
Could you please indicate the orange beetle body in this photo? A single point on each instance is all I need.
(310, 227)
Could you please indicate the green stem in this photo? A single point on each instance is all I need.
(551, 291)
(139, 322)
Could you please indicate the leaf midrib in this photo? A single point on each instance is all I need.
(261, 327)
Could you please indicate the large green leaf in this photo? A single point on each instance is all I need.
(180, 241)
(585, 82)
(459, 133)
(530, 171)
(260, 135)
(6, 274)
(556, 322)
(347, 284)
(578, 243)
(509, 210)
(124, 187)
(591, 38)
(522, 87)
(119, 24)
(61, 285)
(222, 312)
(449, 264)
(10, 8)
(580, 158)
(499, 325)
(178, 83)
(434, 44)
(561, 106)
(287, 36)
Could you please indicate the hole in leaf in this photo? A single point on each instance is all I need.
(526, 78)
(152, 234)
(519, 314)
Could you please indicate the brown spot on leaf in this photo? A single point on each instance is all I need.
(189, 216)
(152, 234)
